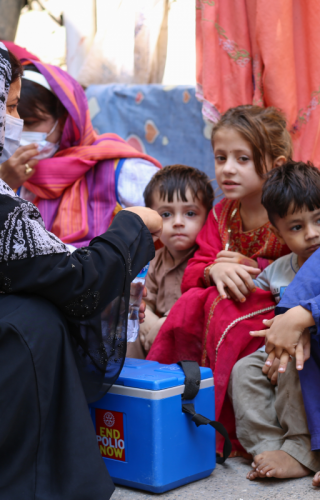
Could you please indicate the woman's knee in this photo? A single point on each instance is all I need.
(37, 321)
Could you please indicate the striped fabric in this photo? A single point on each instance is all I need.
(75, 189)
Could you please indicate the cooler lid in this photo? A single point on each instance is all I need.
(154, 376)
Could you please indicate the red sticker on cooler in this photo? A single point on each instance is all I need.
(110, 435)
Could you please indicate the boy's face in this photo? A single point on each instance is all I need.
(301, 232)
(182, 221)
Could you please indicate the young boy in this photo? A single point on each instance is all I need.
(183, 196)
(271, 421)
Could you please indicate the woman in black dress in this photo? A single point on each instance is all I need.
(62, 340)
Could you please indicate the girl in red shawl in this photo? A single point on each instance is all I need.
(235, 244)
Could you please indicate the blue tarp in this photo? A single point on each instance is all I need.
(165, 122)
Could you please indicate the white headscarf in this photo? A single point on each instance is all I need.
(22, 231)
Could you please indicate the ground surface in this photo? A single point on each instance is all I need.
(228, 482)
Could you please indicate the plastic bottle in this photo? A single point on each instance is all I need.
(136, 291)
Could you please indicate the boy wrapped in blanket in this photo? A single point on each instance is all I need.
(277, 419)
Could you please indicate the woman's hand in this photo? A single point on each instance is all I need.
(234, 280)
(150, 217)
(235, 258)
(15, 170)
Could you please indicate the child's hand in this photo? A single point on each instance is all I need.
(150, 319)
(233, 280)
(142, 308)
(235, 258)
(272, 371)
(283, 335)
(303, 349)
(302, 354)
(153, 332)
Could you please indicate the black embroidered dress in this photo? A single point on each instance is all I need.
(62, 335)
(62, 343)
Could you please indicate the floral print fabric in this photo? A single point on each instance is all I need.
(264, 53)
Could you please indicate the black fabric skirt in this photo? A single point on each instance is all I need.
(48, 447)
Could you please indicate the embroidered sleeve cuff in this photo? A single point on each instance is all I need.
(206, 275)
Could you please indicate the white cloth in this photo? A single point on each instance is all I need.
(130, 44)
(135, 174)
(71, 248)
(278, 276)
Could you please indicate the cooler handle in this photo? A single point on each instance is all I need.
(192, 385)
(201, 420)
(193, 378)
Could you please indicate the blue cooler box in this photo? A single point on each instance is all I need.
(145, 439)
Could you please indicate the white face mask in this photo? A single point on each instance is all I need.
(46, 148)
(12, 137)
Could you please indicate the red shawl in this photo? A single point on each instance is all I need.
(215, 332)
(75, 188)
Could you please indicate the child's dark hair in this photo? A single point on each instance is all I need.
(292, 186)
(178, 178)
(264, 129)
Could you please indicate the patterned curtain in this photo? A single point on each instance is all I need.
(266, 53)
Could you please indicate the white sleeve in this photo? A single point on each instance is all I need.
(263, 280)
(71, 248)
(135, 174)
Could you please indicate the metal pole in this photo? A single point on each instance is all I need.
(9, 18)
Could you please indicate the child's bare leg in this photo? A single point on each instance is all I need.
(316, 479)
(294, 458)
(253, 398)
(276, 464)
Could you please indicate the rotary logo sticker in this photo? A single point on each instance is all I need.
(110, 435)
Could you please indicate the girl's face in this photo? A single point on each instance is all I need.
(44, 125)
(234, 167)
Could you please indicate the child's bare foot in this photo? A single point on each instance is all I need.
(277, 464)
(316, 479)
